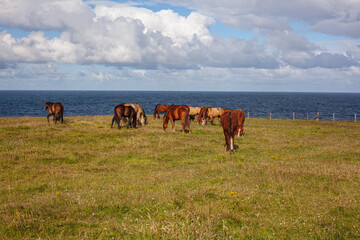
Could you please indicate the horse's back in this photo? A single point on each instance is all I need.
(194, 110)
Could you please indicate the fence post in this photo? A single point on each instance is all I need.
(317, 115)
(307, 116)
(248, 115)
(333, 116)
(293, 115)
(355, 117)
(270, 115)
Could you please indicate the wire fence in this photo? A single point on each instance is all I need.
(308, 116)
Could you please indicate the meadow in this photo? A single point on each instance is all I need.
(287, 179)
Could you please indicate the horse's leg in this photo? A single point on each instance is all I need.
(118, 122)
(112, 122)
(56, 117)
(183, 124)
(172, 124)
(48, 116)
(129, 122)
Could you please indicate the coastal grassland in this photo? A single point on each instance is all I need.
(83, 180)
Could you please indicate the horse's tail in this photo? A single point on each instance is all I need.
(116, 116)
(187, 119)
(155, 110)
(231, 126)
(61, 114)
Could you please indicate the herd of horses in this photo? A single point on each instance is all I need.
(231, 121)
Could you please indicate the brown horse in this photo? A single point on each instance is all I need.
(177, 112)
(241, 118)
(120, 112)
(56, 109)
(229, 122)
(211, 113)
(140, 113)
(201, 113)
(160, 109)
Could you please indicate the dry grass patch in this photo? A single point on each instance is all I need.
(82, 179)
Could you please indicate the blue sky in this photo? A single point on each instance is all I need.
(232, 45)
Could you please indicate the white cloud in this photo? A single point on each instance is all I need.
(331, 17)
(167, 45)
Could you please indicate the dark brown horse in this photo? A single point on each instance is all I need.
(177, 112)
(229, 122)
(140, 113)
(120, 112)
(160, 109)
(241, 118)
(56, 109)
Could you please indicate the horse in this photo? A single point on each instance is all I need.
(211, 113)
(229, 122)
(194, 111)
(140, 113)
(241, 118)
(177, 112)
(160, 109)
(121, 111)
(201, 113)
(56, 109)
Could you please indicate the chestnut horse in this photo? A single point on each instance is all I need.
(140, 113)
(211, 113)
(229, 122)
(56, 109)
(120, 112)
(160, 109)
(177, 112)
(201, 113)
(241, 118)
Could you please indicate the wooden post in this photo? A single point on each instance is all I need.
(270, 115)
(307, 116)
(317, 116)
(333, 116)
(293, 115)
(248, 115)
(355, 117)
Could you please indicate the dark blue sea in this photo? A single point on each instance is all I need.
(256, 104)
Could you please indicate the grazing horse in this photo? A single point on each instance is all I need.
(194, 111)
(229, 122)
(140, 113)
(160, 109)
(241, 118)
(211, 113)
(201, 113)
(120, 112)
(56, 109)
(177, 112)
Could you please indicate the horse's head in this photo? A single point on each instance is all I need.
(204, 118)
(144, 120)
(47, 104)
(165, 122)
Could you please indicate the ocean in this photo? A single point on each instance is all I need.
(255, 104)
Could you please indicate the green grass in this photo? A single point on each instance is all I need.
(83, 180)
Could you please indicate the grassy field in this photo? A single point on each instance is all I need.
(286, 180)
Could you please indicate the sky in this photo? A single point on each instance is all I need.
(187, 45)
